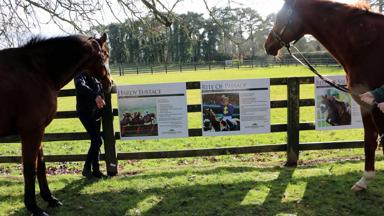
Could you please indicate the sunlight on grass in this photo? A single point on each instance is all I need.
(144, 206)
(256, 196)
(294, 191)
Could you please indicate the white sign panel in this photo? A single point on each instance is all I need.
(235, 107)
(153, 111)
(335, 109)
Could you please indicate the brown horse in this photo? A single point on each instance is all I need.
(211, 116)
(353, 35)
(31, 77)
(339, 112)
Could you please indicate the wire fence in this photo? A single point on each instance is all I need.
(125, 68)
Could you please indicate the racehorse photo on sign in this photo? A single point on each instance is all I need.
(335, 109)
(153, 111)
(221, 112)
(139, 117)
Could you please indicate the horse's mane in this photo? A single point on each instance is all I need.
(361, 7)
(361, 4)
(39, 41)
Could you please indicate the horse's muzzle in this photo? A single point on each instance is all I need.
(272, 46)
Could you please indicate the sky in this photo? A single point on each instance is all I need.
(264, 7)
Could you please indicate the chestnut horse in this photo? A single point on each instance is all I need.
(31, 77)
(353, 35)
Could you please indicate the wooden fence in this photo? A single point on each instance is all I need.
(292, 147)
(124, 68)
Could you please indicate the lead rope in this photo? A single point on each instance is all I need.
(306, 64)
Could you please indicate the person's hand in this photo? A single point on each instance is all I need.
(367, 97)
(100, 103)
(381, 106)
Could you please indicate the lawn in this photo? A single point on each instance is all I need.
(254, 184)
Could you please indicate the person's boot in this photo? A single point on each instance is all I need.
(87, 173)
(98, 174)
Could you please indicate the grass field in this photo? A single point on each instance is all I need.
(253, 184)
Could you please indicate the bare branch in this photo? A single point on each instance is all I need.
(160, 16)
(53, 13)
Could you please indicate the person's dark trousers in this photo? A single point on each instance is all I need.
(92, 125)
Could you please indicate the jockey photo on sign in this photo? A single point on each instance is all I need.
(221, 112)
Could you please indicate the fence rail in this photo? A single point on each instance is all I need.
(293, 128)
(122, 69)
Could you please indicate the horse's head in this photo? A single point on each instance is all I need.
(98, 61)
(325, 99)
(287, 28)
(208, 113)
(127, 115)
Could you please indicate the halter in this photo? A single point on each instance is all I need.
(278, 36)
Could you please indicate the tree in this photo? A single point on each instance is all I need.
(18, 17)
(379, 4)
(117, 42)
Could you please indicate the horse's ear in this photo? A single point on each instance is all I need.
(95, 45)
(103, 38)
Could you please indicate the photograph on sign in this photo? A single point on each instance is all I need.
(152, 111)
(235, 107)
(221, 112)
(335, 109)
(139, 118)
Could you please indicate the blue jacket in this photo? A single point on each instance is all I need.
(87, 89)
(227, 110)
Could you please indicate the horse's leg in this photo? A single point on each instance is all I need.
(43, 184)
(31, 143)
(370, 144)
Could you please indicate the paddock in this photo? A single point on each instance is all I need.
(267, 190)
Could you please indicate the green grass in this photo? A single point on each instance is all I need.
(253, 184)
(238, 188)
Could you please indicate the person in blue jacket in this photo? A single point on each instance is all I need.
(89, 106)
(226, 108)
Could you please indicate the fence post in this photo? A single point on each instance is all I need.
(293, 105)
(109, 137)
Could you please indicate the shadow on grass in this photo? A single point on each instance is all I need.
(321, 195)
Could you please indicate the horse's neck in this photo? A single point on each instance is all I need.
(321, 23)
(345, 31)
(59, 68)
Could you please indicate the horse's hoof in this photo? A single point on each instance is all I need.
(358, 188)
(54, 202)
